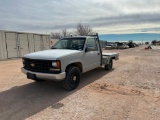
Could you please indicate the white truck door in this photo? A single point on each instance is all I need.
(92, 57)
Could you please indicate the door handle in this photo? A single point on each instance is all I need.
(98, 53)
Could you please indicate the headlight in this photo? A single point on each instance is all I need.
(56, 64)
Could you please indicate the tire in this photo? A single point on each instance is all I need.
(109, 66)
(73, 76)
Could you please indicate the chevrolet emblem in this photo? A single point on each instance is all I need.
(32, 64)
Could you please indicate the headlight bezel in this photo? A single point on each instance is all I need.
(56, 64)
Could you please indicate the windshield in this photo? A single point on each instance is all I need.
(70, 43)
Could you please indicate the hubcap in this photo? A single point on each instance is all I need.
(74, 78)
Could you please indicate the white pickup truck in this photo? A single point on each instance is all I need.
(67, 60)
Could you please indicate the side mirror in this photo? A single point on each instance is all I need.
(88, 49)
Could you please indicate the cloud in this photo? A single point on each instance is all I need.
(129, 19)
(50, 15)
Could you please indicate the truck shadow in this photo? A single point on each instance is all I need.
(21, 102)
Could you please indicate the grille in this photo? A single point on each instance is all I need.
(42, 66)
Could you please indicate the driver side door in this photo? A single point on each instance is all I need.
(92, 56)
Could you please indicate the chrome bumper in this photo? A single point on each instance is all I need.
(46, 76)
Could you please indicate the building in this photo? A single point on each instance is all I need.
(16, 44)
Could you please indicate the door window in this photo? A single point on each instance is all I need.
(91, 43)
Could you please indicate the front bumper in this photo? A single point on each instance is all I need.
(46, 76)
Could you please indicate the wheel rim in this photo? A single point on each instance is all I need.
(73, 78)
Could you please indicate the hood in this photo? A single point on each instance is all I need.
(51, 54)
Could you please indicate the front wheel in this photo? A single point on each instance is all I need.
(73, 75)
(109, 66)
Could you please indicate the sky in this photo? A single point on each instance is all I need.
(104, 16)
(135, 37)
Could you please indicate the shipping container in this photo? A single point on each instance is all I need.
(16, 44)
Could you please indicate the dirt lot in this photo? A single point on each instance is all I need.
(130, 91)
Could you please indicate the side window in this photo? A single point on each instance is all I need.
(91, 43)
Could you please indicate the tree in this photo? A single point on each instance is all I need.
(154, 42)
(55, 35)
(84, 30)
(146, 43)
(58, 35)
(130, 44)
(65, 33)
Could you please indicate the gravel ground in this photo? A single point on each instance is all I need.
(131, 91)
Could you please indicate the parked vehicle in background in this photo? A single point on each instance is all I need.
(111, 46)
(131, 44)
(136, 45)
(122, 45)
(125, 46)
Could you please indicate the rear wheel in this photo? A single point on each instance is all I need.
(73, 75)
(109, 66)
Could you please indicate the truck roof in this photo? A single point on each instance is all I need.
(79, 37)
